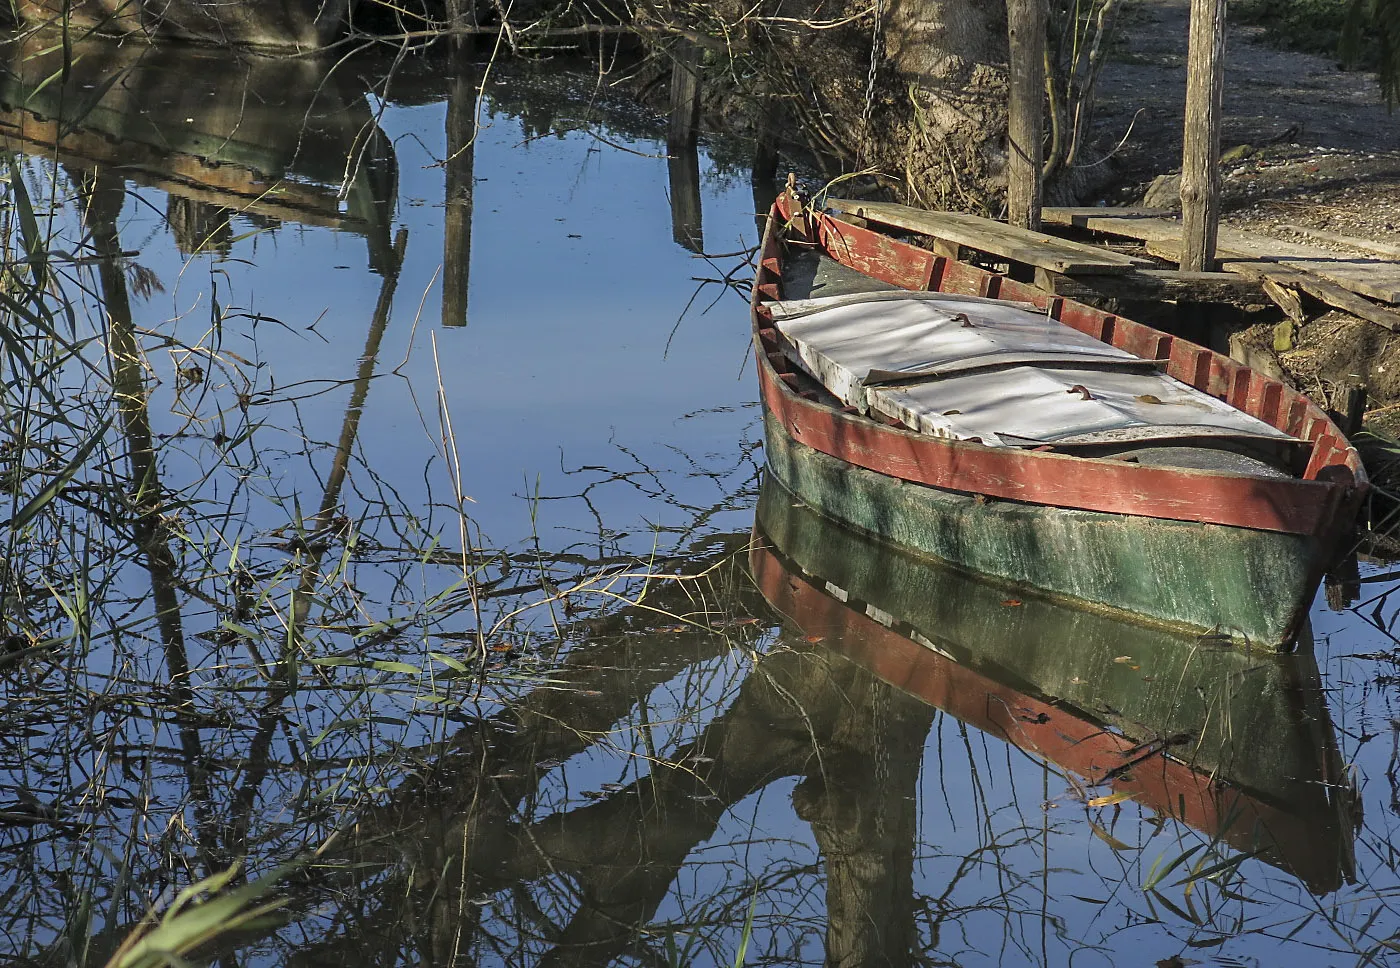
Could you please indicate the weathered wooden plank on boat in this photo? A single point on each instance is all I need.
(995, 238)
(1377, 278)
(1156, 285)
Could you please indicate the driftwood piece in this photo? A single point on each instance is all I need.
(1286, 298)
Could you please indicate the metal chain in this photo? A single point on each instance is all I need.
(877, 50)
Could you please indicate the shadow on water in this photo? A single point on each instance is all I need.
(252, 621)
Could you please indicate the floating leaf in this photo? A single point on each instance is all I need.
(1109, 800)
(454, 664)
(1123, 659)
(387, 666)
(1207, 942)
(1107, 838)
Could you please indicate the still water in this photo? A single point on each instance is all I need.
(387, 504)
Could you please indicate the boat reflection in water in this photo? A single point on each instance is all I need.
(1238, 746)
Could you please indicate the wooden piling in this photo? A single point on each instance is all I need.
(685, 95)
(687, 228)
(1200, 157)
(1025, 133)
(683, 154)
(460, 171)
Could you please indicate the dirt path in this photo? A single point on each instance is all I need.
(1315, 135)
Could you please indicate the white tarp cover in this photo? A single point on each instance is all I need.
(976, 368)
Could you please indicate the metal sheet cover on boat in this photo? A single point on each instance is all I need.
(970, 368)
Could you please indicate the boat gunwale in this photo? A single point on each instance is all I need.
(1326, 496)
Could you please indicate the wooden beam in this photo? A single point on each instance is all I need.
(1200, 156)
(1157, 285)
(1025, 129)
(685, 96)
(1080, 215)
(1376, 278)
(1324, 291)
(996, 238)
(1351, 241)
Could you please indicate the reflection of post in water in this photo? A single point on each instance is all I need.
(804, 712)
(314, 547)
(199, 226)
(683, 154)
(460, 165)
(103, 194)
(861, 800)
(764, 176)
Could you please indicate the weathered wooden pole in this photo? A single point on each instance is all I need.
(682, 150)
(1200, 155)
(685, 95)
(1025, 127)
(687, 219)
(460, 175)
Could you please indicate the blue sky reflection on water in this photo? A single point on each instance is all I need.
(576, 287)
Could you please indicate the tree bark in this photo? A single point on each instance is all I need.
(1025, 136)
(1200, 169)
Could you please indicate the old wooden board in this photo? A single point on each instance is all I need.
(1375, 277)
(994, 238)
(1156, 285)
(1365, 245)
(1282, 275)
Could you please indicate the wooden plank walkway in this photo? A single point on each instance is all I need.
(1375, 276)
(996, 238)
(1276, 269)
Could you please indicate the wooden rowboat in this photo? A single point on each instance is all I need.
(1224, 529)
(1237, 746)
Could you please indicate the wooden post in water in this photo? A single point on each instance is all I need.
(683, 161)
(685, 94)
(1200, 156)
(1025, 127)
(687, 228)
(460, 171)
